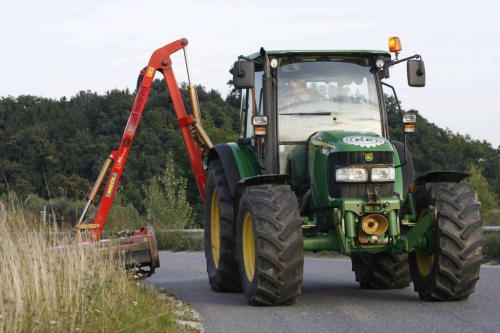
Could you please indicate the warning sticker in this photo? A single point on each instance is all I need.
(150, 72)
(111, 185)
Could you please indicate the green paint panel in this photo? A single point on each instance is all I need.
(328, 242)
(246, 158)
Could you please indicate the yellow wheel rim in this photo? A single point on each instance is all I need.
(215, 228)
(248, 246)
(424, 262)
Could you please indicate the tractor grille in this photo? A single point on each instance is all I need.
(358, 190)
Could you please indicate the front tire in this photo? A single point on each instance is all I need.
(450, 272)
(270, 247)
(220, 245)
(382, 271)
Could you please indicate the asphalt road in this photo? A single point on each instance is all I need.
(331, 301)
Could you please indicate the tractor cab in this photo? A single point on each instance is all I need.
(316, 91)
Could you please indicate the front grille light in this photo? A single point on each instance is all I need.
(385, 174)
(351, 174)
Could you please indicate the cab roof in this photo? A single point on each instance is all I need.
(330, 52)
(291, 53)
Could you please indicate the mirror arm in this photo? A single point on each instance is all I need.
(392, 63)
(401, 114)
(395, 95)
(248, 59)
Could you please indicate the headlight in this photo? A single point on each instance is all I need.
(409, 118)
(351, 175)
(259, 120)
(387, 174)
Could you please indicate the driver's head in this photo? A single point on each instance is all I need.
(296, 82)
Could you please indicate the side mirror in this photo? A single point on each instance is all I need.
(416, 73)
(243, 74)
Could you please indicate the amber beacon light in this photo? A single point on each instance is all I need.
(395, 45)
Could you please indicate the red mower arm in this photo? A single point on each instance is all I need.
(194, 136)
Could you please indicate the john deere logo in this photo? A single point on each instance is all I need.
(368, 157)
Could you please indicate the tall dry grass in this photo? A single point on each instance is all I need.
(74, 289)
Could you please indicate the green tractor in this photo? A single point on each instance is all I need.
(314, 169)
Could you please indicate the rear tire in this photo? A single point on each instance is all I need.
(450, 272)
(382, 271)
(270, 246)
(220, 245)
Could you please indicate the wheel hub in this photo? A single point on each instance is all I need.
(215, 228)
(248, 246)
(425, 260)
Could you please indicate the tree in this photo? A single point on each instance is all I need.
(165, 200)
(490, 211)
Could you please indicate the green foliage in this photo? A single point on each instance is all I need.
(166, 204)
(123, 215)
(69, 139)
(436, 149)
(490, 212)
(491, 249)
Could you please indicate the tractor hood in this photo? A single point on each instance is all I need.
(338, 141)
(361, 147)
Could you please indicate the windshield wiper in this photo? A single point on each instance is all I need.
(324, 113)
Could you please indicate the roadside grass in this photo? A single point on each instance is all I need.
(72, 289)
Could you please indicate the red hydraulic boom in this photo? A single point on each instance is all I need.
(195, 138)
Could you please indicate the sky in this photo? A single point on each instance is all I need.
(57, 48)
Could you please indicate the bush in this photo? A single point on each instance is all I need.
(491, 248)
(166, 204)
(123, 215)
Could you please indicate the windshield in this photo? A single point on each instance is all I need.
(325, 94)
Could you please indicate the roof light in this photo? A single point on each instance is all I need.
(395, 45)
(380, 63)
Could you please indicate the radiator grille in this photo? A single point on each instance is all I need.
(357, 190)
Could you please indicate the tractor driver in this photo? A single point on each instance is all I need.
(296, 96)
(298, 89)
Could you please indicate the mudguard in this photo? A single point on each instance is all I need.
(224, 152)
(440, 177)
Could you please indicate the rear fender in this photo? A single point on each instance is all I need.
(440, 177)
(257, 180)
(409, 208)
